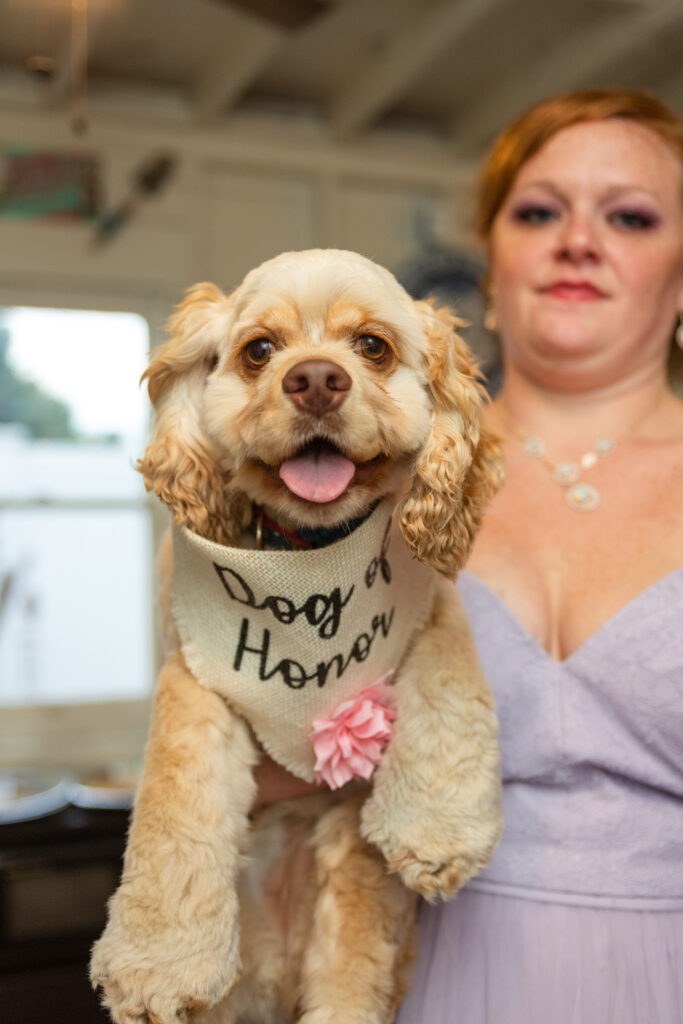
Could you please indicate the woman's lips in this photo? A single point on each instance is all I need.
(574, 291)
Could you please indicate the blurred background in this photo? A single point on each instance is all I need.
(146, 145)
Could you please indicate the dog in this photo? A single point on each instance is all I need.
(320, 407)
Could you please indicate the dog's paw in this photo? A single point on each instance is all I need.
(434, 855)
(137, 999)
(432, 879)
(138, 988)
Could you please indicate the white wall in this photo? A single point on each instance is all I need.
(237, 198)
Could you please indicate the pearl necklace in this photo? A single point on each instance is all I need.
(578, 494)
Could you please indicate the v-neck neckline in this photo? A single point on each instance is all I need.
(595, 636)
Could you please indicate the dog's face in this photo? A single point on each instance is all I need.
(319, 394)
(312, 390)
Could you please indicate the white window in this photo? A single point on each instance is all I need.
(76, 558)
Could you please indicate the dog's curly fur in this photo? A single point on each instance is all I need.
(325, 927)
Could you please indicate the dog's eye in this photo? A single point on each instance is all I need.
(374, 348)
(258, 351)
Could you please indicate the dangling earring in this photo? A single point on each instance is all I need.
(491, 320)
(679, 331)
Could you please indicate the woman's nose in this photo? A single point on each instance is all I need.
(578, 239)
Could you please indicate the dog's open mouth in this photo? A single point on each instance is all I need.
(320, 473)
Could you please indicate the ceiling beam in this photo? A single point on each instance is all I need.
(575, 63)
(223, 83)
(424, 38)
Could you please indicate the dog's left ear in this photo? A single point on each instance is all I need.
(181, 464)
(460, 466)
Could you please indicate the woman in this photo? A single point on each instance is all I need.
(575, 584)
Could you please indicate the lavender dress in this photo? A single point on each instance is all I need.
(579, 917)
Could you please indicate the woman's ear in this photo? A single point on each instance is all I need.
(460, 466)
(181, 464)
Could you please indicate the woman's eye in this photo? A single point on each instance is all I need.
(373, 347)
(633, 220)
(534, 213)
(258, 351)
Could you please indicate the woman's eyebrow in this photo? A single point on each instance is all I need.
(548, 186)
(615, 190)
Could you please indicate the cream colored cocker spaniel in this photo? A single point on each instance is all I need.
(317, 407)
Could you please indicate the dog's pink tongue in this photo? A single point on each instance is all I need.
(317, 476)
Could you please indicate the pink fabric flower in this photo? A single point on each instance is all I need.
(350, 743)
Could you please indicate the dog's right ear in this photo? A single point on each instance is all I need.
(193, 342)
(180, 464)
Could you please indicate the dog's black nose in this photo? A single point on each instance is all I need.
(316, 386)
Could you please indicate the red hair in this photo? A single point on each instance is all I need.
(529, 132)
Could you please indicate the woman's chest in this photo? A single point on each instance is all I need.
(565, 572)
